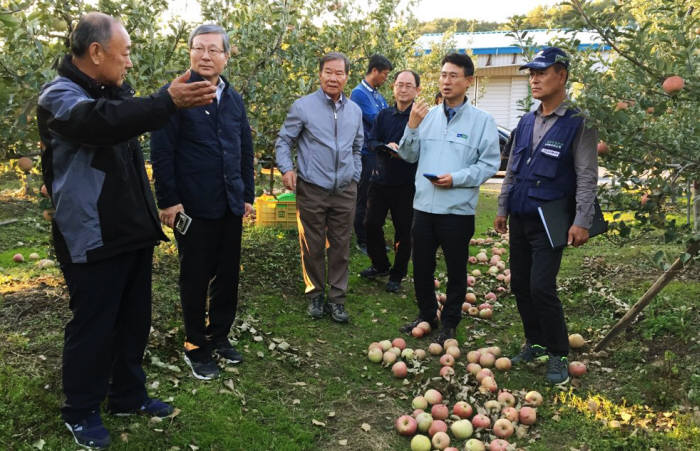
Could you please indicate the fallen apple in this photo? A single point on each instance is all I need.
(433, 396)
(481, 421)
(424, 421)
(441, 440)
(407, 354)
(435, 349)
(503, 428)
(473, 311)
(510, 413)
(462, 409)
(484, 372)
(470, 298)
(419, 353)
(447, 371)
(527, 415)
(503, 364)
(18, 258)
(389, 358)
(437, 426)
(506, 398)
(499, 445)
(486, 313)
(453, 351)
(386, 345)
(375, 355)
(487, 360)
(489, 383)
(447, 360)
(533, 398)
(439, 412)
(602, 148)
(450, 342)
(425, 326)
(419, 402)
(473, 356)
(577, 369)
(474, 444)
(406, 425)
(492, 406)
(399, 343)
(421, 443)
(576, 341)
(400, 370)
(462, 429)
(473, 368)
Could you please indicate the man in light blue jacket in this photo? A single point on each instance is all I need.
(456, 147)
(327, 129)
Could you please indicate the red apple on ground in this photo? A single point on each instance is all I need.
(476, 273)
(490, 296)
(406, 425)
(417, 412)
(396, 351)
(437, 283)
(576, 341)
(451, 448)
(473, 356)
(389, 358)
(486, 313)
(407, 354)
(474, 444)
(492, 406)
(503, 428)
(503, 363)
(473, 311)
(498, 445)
(495, 350)
(506, 398)
(462, 429)
(602, 148)
(484, 372)
(471, 281)
(487, 360)
(470, 298)
(673, 84)
(465, 307)
(481, 421)
(533, 398)
(419, 402)
(472, 260)
(420, 443)
(441, 440)
(417, 332)
(473, 368)
(447, 371)
(425, 326)
(485, 305)
(439, 411)
(489, 383)
(577, 369)
(419, 354)
(510, 413)
(399, 343)
(433, 396)
(453, 351)
(527, 415)
(450, 342)
(400, 370)
(386, 345)
(447, 360)
(437, 426)
(462, 409)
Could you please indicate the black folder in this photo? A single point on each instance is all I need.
(558, 215)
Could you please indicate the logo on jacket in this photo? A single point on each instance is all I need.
(461, 135)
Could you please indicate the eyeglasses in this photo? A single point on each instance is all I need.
(213, 51)
(404, 85)
(451, 75)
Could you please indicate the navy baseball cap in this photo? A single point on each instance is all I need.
(546, 57)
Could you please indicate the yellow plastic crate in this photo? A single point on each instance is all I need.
(269, 212)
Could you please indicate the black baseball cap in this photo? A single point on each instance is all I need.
(546, 57)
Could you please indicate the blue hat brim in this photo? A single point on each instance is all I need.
(535, 65)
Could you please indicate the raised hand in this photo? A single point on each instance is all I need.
(418, 112)
(187, 95)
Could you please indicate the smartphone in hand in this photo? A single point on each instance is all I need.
(182, 223)
(431, 177)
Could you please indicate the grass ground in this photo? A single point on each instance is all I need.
(322, 393)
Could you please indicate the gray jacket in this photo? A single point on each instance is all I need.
(329, 141)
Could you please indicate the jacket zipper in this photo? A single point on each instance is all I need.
(335, 132)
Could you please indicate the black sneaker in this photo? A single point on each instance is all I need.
(90, 432)
(152, 407)
(558, 369)
(315, 309)
(530, 353)
(372, 272)
(205, 370)
(228, 353)
(393, 286)
(337, 311)
(445, 334)
(408, 327)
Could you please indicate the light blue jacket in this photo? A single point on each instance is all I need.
(466, 148)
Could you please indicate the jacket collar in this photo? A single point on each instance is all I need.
(322, 95)
(405, 112)
(67, 69)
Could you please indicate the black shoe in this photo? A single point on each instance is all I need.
(337, 311)
(372, 272)
(445, 334)
(205, 369)
(152, 407)
(530, 353)
(408, 327)
(90, 432)
(316, 307)
(393, 286)
(557, 369)
(228, 353)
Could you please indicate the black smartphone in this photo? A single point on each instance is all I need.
(182, 223)
(430, 177)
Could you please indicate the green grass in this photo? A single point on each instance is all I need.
(323, 389)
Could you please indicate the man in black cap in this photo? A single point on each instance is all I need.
(553, 156)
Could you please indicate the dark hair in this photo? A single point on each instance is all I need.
(333, 56)
(461, 60)
(92, 27)
(379, 62)
(438, 95)
(558, 67)
(210, 28)
(415, 75)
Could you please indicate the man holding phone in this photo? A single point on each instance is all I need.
(203, 168)
(456, 147)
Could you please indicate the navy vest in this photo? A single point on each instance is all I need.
(547, 172)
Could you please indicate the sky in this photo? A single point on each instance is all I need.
(425, 10)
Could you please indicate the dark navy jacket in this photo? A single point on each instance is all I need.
(93, 167)
(546, 172)
(389, 127)
(203, 158)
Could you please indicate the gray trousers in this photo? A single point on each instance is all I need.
(325, 223)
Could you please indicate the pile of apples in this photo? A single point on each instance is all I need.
(391, 352)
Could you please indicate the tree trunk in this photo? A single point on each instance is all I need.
(660, 283)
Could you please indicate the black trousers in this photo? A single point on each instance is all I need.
(368, 162)
(105, 340)
(452, 233)
(534, 266)
(210, 255)
(399, 200)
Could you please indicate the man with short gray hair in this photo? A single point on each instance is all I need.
(326, 128)
(106, 223)
(203, 168)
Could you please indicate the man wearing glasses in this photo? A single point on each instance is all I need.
(391, 185)
(203, 167)
(456, 147)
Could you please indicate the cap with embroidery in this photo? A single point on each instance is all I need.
(546, 57)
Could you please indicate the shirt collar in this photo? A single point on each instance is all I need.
(220, 89)
(404, 112)
(368, 87)
(338, 103)
(455, 109)
(559, 111)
